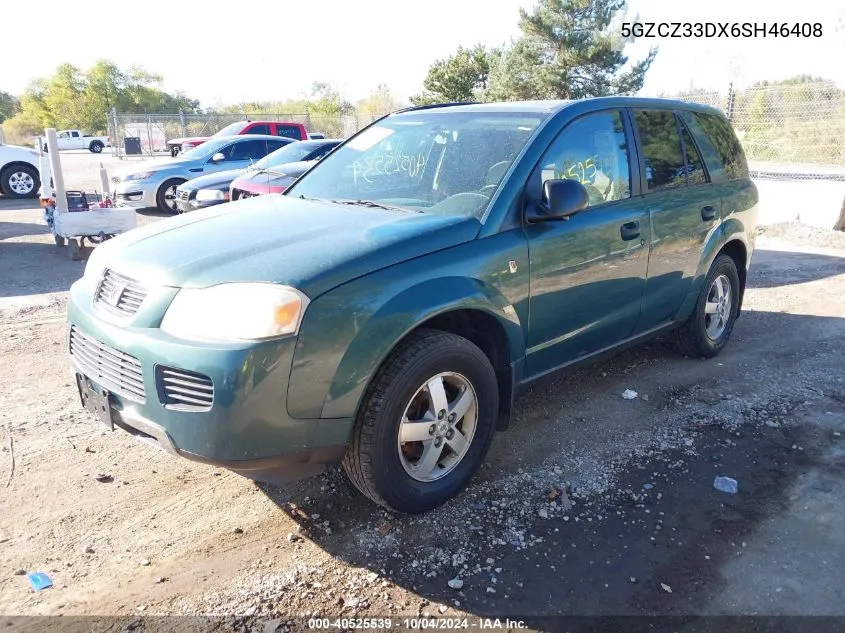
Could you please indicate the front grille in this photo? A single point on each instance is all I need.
(114, 370)
(185, 390)
(120, 294)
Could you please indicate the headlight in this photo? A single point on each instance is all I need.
(207, 195)
(141, 175)
(235, 311)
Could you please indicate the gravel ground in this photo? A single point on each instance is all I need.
(590, 504)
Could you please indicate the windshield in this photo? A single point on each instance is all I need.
(202, 151)
(290, 153)
(432, 162)
(233, 129)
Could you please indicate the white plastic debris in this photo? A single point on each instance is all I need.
(726, 484)
(629, 394)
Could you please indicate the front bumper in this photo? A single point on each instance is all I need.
(185, 206)
(136, 194)
(246, 428)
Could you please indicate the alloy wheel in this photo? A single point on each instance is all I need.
(438, 426)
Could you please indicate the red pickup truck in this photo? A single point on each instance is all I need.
(287, 129)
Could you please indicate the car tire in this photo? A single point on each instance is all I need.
(20, 181)
(96, 147)
(168, 188)
(174, 151)
(396, 474)
(709, 327)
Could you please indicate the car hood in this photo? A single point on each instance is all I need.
(154, 165)
(217, 179)
(16, 152)
(310, 245)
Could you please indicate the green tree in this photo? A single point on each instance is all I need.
(459, 78)
(72, 98)
(63, 95)
(9, 106)
(381, 101)
(567, 51)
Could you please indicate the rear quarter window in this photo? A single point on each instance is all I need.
(716, 138)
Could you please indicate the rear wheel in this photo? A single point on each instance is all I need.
(20, 181)
(426, 423)
(712, 321)
(166, 195)
(96, 147)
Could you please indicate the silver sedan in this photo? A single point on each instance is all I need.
(154, 183)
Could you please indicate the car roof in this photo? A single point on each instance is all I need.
(554, 106)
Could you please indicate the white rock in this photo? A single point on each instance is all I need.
(629, 394)
(456, 583)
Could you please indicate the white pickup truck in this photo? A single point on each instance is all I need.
(18, 171)
(75, 139)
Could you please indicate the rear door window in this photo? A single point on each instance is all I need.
(261, 128)
(660, 145)
(695, 166)
(289, 131)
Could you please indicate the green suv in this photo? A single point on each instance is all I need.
(387, 309)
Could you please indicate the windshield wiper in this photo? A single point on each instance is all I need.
(375, 205)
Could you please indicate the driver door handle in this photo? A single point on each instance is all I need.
(630, 230)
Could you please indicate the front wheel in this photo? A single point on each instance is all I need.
(96, 147)
(425, 424)
(712, 321)
(166, 195)
(20, 181)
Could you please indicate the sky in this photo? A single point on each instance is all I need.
(226, 53)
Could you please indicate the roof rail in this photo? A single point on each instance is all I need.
(436, 105)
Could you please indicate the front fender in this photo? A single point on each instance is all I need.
(348, 332)
(400, 316)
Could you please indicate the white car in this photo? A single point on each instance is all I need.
(75, 139)
(19, 172)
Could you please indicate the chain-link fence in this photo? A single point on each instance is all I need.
(149, 133)
(788, 130)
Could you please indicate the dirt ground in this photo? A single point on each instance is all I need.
(590, 504)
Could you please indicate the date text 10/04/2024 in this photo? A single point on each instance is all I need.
(415, 624)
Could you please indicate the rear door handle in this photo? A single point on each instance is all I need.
(708, 213)
(630, 231)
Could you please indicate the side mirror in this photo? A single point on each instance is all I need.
(561, 199)
(218, 157)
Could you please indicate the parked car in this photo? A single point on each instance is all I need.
(213, 189)
(19, 172)
(295, 131)
(154, 183)
(75, 139)
(279, 170)
(387, 308)
(316, 135)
